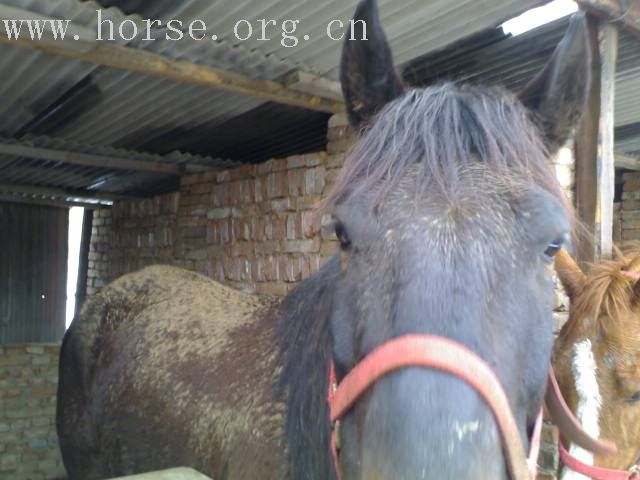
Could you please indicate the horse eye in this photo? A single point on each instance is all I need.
(552, 249)
(634, 398)
(343, 238)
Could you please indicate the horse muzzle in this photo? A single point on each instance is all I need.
(445, 355)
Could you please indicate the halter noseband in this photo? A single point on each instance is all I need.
(444, 355)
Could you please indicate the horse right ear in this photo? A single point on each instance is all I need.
(571, 276)
(368, 77)
(558, 94)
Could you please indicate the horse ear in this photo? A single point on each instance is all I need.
(557, 95)
(571, 276)
(367, 74)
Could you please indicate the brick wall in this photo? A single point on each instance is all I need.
(252, 227)
(630, 207)
(28, 441)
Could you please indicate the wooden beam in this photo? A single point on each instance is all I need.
(627, 162)
(313, 85)
(49, 202)
(586, 153)
(88, 159)
(80, 195)
(625, 13)
(109, 54)
(605, 166)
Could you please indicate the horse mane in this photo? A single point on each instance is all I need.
(445, 129)
(304, 337)
(607, 294)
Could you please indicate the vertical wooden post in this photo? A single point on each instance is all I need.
(594, 147)
(586, 153)
(605, 163)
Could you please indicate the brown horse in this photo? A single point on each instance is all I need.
(597, 355)
(448, 215)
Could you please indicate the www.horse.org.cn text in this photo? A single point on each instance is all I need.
(287, 31)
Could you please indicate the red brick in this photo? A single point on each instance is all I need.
(295, 180)
(300, 246)
(243, 172)
(276, 184)
(314, 181)
(220, 196)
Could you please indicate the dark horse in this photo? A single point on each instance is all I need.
(448, 214)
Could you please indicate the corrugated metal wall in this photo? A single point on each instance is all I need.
(33, 272)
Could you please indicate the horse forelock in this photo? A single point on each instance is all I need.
(444, 130)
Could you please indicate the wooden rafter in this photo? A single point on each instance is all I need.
(626, 13)
(89, 159)
(108, 54)
(6, 197)
(627, 161)
(62, 193)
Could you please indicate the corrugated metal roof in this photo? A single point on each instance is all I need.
(130, 108)
(96, 106)
(25, 171)
(513, 61)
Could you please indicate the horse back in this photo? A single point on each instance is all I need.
(164, 367)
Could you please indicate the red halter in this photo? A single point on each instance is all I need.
(596, 473)
(448, 356)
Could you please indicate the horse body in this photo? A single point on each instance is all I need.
(597, 356)
(163, 368)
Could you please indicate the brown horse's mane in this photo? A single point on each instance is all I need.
(607, 293)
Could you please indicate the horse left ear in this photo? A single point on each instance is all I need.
(571, 276)
(368, 77)
(557, 95)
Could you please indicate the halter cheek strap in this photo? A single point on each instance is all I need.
(444, 355)
(632, 275)
(596, 473)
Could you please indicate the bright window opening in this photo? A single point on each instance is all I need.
(537, 17)
(76, 217)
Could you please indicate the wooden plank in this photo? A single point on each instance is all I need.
(83, 263)
(180, 473)
(313, 85)
(89, 160)
(625, 13)
(586, 152)
(79, 195)
(605, 167)
(131, 59)
(627, 161)
(6, 197)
